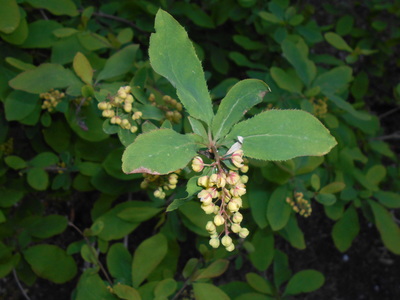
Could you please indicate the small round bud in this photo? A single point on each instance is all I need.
(237, 158)
(197, 164)
(133, 129)
(232, 178)
(230, 248)
(129, 99)
(203, 181)
(235, 228)
(208, 209)
(218, 220)
(244, 179)
(244, 169)
(128, 107)
(243, 232)
(237, 218)
(226, 240)
(210, 226)
(214, 242)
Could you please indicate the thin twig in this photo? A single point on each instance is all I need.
(93, 252)
(20, 285)
(44, 14)
(392, 136)
(187, 282)
(119, 19)
(389, 112)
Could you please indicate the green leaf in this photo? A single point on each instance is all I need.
(304, 282)
(165, 288)
(346, 106)
(207, 291)
(278, 212)
(43, 78)
(390, 232)
(295, 54)
(282, 271)
(282, 135)
(41, 34)
(287, 81)
(346, 229)
(119, 262)
(19, 35)
(258, 200)
(9, 197)
(198, 128)
(194, 218)
(138, 214)
(19, 105)
(44, 159)
(48, 226)
(9, 16)
(147, 257)
(19, 64)
(58, 8)
(83, 68)
(47, 261)
(263, 253)
(270, 17)
(216, 269)
(293, 233)
(260, 284)
(15, 162)
(191, 189)
(376, 174)
(172, 55)
(337, 41)
(158, 152)
(326, 199)
(126, 292)
(333, 188)
(120, 63)
(388, 199)
(334, 81)
(38, 178)
(92, 287)
(240, 98)
(112, 165)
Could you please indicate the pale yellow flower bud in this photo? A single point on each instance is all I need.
(210, 226)
(244, 232)
(203, 181)
(208, 209)
(219, 220)
(214, 242)
(226, 240)
(236, 228)
(244, 179)
(133, 129)
(197, 164)
(232, 178)
(244, 169)
(237, 158)
(237, 218)
(129, 99)
(230, 248)
(238, 190)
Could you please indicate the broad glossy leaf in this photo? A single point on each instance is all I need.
(333, 188)
(92, 287)
(38, 178)
(83, 68)
(158, 152)
(138, 214)
(120, 63)
(119, 262)
(207, 291)
(278, 212)
(126, 292)
(286, 80)
(19, 35)
(48, 226)
(239, 99)
(9, 16)
(173, 56)
(147, 257)
(260, 284)
(346, 106)
(389, 230)
(198, 128)
(41, 34)
(165, 288)
(47, 261)
(263, 253)
(304, 282)
(19, 105)
(282, 135)
(346, 229)
(335, 80)
(337, 41)
(293, 233)
(59, 7)
(388, 199)
(43, 78)
(216, 269)
(296, 55)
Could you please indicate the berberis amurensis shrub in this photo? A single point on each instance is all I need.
(214, 177)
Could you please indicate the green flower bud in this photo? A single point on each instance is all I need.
(219, 220)
(226, 240)
(235, 228)
(230, 248)
(243, 232)
(214, 242)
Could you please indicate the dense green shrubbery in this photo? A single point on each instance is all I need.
(60, 64)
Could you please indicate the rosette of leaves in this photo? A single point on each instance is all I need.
(269, 135)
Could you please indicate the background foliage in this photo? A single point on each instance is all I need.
(66, 205)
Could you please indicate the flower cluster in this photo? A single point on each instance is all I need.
(120, 110)
(169, 106)
(221, 196)
(320, 106)
(82, 101)
(161, 183)
(51, 99)
(300, 205)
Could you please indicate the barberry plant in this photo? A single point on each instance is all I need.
(221, 142)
